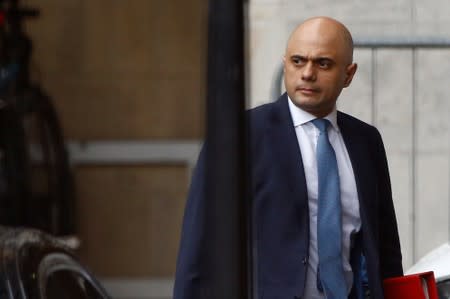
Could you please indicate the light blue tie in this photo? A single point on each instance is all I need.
(330, 278)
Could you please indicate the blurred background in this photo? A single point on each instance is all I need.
(128, 83)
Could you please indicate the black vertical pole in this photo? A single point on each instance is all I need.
(227, 231)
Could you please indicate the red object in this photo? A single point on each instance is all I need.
(2, 17)
(413, 286)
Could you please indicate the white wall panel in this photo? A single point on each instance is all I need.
(432, 121)
(433, 104)
(432, 205)
(394, 98)
(266, 49)
(393, 101)
(357, 98)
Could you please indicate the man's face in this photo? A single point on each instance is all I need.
(317, 68)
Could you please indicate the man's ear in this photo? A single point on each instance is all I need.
(350, 72)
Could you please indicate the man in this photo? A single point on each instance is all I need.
(324, 216)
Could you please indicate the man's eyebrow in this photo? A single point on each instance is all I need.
(328, 59)
(314, 59)
(298, 56)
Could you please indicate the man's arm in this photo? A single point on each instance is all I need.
(188, 272)
(390, 252)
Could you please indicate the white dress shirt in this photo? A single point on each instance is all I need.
(307, 135)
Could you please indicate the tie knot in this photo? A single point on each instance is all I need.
(321, 124)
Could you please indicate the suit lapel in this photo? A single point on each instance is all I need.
(286, 149)
(359, 152)
(287, 153)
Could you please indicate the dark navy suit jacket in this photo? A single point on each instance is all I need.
(280, 205)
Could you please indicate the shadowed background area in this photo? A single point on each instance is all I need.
(121, 73)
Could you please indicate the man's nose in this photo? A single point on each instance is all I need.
(308, 72)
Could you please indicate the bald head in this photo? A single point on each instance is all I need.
(318, 64)
(326, 31)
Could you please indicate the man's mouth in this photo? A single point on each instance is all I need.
(307, 90)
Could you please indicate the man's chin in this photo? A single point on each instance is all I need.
(307, 104)
(313, 107)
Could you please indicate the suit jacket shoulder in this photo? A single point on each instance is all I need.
(262, 118)
(355, 123)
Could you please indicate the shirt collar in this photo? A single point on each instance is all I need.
(301, 117)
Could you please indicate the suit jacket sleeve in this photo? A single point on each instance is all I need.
(389, 251)
(188, 269)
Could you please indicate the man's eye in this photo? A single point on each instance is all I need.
(324, 63)
(297, 60)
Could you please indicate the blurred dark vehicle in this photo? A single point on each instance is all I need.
(35, 265)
